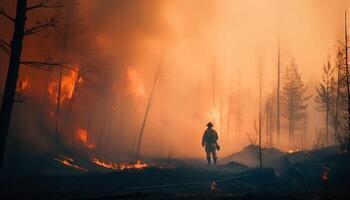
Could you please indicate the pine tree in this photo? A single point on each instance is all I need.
(294, 101)
(340, 114)
(325, 97)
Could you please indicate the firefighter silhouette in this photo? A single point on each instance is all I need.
(210, 142)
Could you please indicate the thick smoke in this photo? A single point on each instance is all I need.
(202, 48)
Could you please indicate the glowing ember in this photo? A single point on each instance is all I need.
(83, 137)
(23, 84)
(104, 163)
(325, 174)
(293, 151)
(136, 87)
(67, 161)
(119, 166)
(67, 86)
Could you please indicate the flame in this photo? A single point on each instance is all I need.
(119, 166)
(67, 85)
(83, 137)
(293, 151)
(136, 87)
(65, 160)
(23, 84)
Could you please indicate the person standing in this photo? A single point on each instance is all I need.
(210, 142)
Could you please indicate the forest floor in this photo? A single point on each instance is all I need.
(286, 178)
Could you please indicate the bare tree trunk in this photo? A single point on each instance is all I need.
(347, 76)
(100, 138)
(270, 124)
(327, 111)
(138, 148)
(12, 75)
(59, 87)
(221, 116)
(239, 108)
(336, 122)
(278, 93)
(229, 111)
(56, 137)
(260, 118)
(109, 131)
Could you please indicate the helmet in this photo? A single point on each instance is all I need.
(210, 125)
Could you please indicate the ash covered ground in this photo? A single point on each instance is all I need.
(316, 174)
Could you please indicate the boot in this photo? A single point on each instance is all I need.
(208, 161)
(214, 161)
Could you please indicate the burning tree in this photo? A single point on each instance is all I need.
(294, 101)
(15, 51)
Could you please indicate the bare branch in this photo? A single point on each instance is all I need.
(41, 26)
(43, 4)
(5, 46)
(40, 64)
(3, 13)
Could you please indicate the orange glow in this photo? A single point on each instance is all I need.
(83, 137)
(136, 87)
(293, 151)
(119, 166)
(67, 86)
(69, 162)
(23, 84)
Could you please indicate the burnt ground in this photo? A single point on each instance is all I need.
(288, 177)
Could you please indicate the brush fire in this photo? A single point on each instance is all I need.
(120, 166)
(67, 161)
(70, 162)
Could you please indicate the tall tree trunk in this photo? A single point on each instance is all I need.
(59, 87)
(336, 122)
(278, 93)
(347, 76)
(12, 75)
(229, 111)
(327, 110)
(138, 148)
(260, 119)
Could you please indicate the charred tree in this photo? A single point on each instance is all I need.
(15, 53)
(347, 76)
(325, 96)
(294, 101)
(269, 120)
(278, 124)
(150, 100)
(260, 117)
(12, 74)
